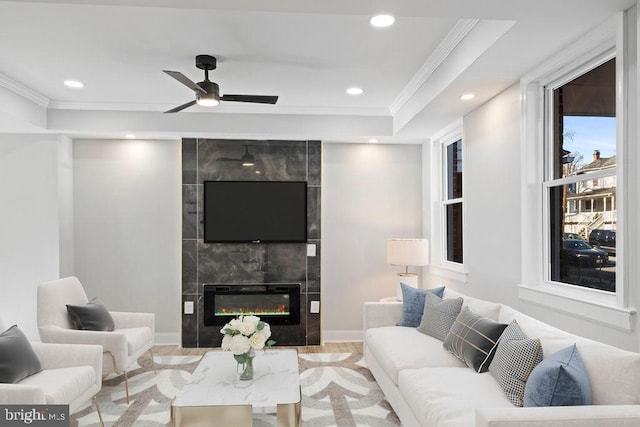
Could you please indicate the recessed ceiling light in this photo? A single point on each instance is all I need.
(355, 91)
(73, 83)
(382, 21)
(467, 96)
(373, 140)
(130, 136)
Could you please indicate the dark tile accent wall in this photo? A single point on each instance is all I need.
(219, 160)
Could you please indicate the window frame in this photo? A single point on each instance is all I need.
(439, 202)
(612, 38)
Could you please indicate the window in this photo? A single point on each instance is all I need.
(578, 177)
(447, 203)
(581, 167)
(452, 202)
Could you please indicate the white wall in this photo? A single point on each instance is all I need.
(29, 224)
(127, 227)
(369, 193)
(65, 206)
(492, 218)
(491, 189)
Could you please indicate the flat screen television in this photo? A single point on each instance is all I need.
(255, 211)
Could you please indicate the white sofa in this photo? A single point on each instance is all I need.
(428, 386)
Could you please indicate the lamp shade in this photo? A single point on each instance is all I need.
(408, 252)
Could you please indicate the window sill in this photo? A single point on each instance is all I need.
(600, 311)
(449, 272)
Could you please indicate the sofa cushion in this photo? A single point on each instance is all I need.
(515, 358)
(439, 315)
(63, 385)
(17, 358)
(137, 338)
(614, 373)
(397, 348)
(92, 316)
(449, 396)
(473, 339)
(484, 308)
(413, 304)
(559, 380)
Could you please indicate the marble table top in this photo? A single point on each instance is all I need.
(215, 381)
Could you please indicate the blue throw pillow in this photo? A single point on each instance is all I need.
(413, 304)
(559, 380)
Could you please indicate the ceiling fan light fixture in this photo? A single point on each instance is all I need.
(208, 100)
(247, 158)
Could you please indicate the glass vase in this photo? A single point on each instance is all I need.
(247, 366)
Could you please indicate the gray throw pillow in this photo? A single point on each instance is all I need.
(473, 339)
(92, 316)
(413, 304)
(17, 358)
(439, 314)
(515, 358)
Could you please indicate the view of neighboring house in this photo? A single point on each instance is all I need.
(591, 204)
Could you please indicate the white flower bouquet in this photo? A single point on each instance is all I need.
(245, 334)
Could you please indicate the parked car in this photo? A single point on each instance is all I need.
(579, 253)
(572, 236)
(604, 239)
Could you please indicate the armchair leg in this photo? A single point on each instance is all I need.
(117, 371)
(95, 402)
(113, 361)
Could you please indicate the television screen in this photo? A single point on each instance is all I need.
(255, 211)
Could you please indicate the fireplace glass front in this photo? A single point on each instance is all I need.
(277, 304)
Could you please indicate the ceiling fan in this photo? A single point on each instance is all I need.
(246, 160)
(208, 92)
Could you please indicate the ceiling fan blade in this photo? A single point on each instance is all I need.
(181, 107)
(260, 99)
(185, 81)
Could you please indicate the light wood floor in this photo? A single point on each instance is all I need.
(343, 347)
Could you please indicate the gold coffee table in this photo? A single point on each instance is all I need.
(215, 395)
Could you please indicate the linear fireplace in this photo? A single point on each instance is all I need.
(275, 303)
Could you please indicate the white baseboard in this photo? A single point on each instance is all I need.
(354, 335)
(167, 338)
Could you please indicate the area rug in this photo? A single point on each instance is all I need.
(337, 390)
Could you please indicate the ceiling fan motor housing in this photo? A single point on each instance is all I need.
(212, 89)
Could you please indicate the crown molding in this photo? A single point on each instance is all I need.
(22, 90)
(444, 49)
(229, 109)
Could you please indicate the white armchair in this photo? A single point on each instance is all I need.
(131, 338)
(71, 375)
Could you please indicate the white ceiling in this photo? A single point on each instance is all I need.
(306, 51)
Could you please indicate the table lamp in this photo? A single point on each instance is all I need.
(407, 252)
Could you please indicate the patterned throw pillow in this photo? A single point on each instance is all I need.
(515, 358)
(559, 380)
(413, 304)
(439, 315)
(473, 339)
